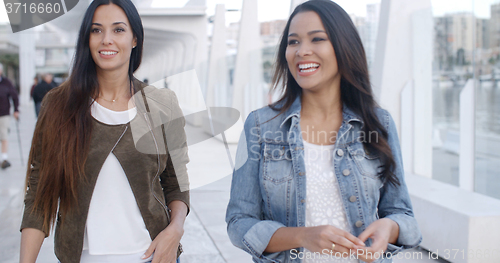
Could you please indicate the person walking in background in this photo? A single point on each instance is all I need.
(319, 173)
(35, 82)
(7, 93)
(41, 89)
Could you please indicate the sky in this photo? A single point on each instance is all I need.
(279, 9)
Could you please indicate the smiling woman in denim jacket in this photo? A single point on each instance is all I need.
(319, 175)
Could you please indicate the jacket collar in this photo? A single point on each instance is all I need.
(294, 111)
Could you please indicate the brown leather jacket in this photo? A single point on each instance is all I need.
(156, 178)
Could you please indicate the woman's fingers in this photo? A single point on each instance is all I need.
(367, 233)
(341, 241)
(378, 244)
(354, 240)
(150, 250)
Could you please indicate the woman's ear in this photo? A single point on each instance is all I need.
(134, 42)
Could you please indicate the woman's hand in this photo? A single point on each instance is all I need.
(382, 232)
(319, 238)
(165, 245)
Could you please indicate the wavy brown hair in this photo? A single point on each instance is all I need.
(355, 87)
(63, 131)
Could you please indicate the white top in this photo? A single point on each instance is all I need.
(324, 204)
(115, 230)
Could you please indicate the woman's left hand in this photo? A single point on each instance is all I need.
(165, 244)
(382, 232)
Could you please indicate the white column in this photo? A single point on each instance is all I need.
(27, 68)
(217, 69)
(248, 69)
(467, 135)
(201, 49)
(422, 28)
(403, 53)
(407, 127)
(295, 3)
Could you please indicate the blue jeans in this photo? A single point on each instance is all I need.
(37, 108)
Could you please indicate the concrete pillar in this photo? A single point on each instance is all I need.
(27, 69)
(295, 3)
(404, 53)
(217, 69)
(248, 69)
(467, 154)
(407, 126)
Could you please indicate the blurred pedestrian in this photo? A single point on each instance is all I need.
(35, 82)
(7, 93)
(41, 89)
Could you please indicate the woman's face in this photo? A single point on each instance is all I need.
(309, 54)
(111, 38)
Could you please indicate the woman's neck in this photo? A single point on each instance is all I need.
(114, 90)
(113, 84)
(323, 104)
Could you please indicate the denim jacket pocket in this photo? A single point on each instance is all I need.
(277, 182)
(368, 164)
(277, 163)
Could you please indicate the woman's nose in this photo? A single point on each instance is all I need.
(107, 39)
(304, 50)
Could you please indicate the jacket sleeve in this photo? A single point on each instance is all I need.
(33, 218)
(395, 201)
(170, 185)
(174, 179)
(245, 224)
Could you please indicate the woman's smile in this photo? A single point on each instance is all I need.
(107, 54)
(307, 68)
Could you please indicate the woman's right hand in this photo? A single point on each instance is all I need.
(319, 238)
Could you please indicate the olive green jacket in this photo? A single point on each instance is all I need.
(156, 178)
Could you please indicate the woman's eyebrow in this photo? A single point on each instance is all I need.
(316, 31)
(115, 23)
(309, 33)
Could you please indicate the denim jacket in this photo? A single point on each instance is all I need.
(268, 188)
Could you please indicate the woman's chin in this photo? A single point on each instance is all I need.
(107, 67)
(308, 86)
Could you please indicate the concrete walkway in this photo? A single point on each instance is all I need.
(205, 239)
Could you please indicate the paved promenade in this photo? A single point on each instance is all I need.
(205, 239)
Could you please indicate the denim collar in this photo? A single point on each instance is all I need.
(294, 111)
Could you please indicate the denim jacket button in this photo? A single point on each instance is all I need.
(340, 152)
(352, 199)
(301, 173)
(359, 224)
(346, 172)
(303, 201)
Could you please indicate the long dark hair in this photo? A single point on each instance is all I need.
(355, 87)
(63, 131)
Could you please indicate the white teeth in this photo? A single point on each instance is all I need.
(309, 65)
(107, 53)
(309, 70)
